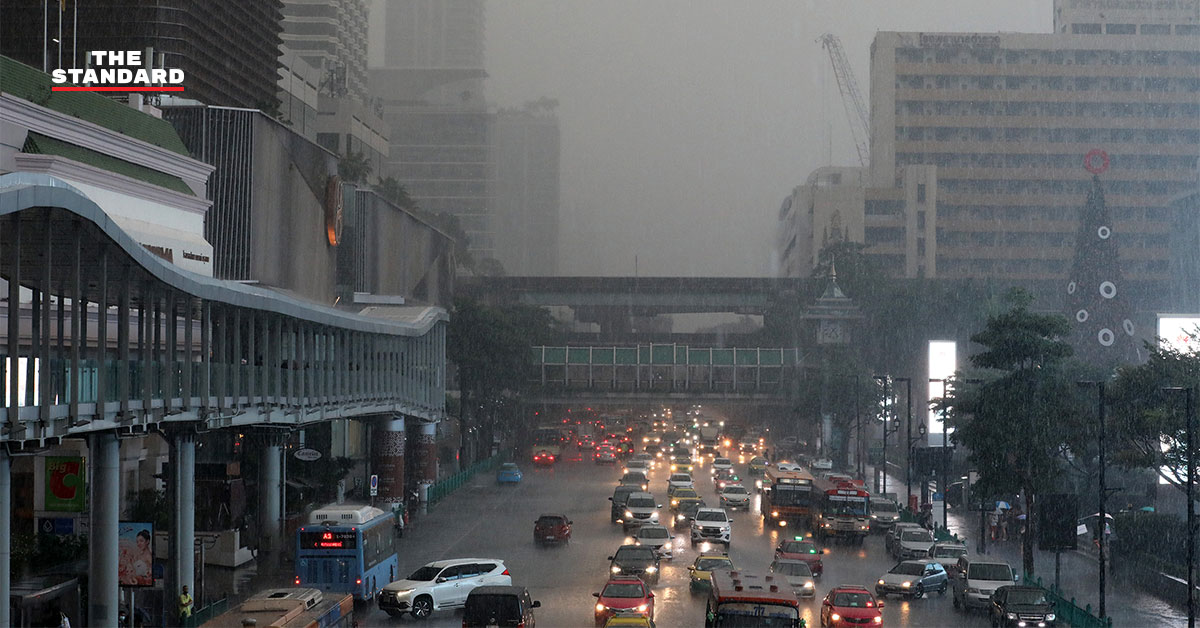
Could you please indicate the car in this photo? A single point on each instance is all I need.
(637, 465)
(1014, 605)
(889, 539)
(647, 458)
(687, 512)
(913, 579)
(623, 594)
(605, 456)
(758, 465)
(885, 513)
(798, 574)
(618, 498)
(946, 554)
(440, 585)
(709, 451)
(701, 570)
(627, 620)
(735, 496)
(822, 464)
(499, 606)
(712, 525)
(544, 458)
(654, 449)
(721, 464)
(679, 480)
(681, 464)
(977, 578)
(800, 548)
(635, 560)
(912, 544)
(585, 443)
(634, 478)
(682, 496)
(552, 529)
(656, 537)
(508, 473)
(725, 478)
(640, 508)
(848, 605)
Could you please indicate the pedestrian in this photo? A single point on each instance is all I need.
(185, 605)
(63, 620)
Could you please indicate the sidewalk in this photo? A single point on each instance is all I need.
(1078, 573)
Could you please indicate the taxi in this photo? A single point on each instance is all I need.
(681, 464)
(758, 465)
(682, 496)
(701, 570)
(630, 621)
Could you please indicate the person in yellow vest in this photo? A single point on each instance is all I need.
(185, 604)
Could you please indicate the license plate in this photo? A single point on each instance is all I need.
(550, 537)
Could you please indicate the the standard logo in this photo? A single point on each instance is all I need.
(117, 71)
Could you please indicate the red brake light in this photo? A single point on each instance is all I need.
(505, 572)
(297, 580)
(358, 581)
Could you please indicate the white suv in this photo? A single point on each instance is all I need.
(440, 585)
(640, 509)
(712, 525)
(735, 496)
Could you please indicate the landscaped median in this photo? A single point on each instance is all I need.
(447, 486)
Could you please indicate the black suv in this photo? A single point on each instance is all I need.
(635, 560)
(687, 512)
(1015, 605)
(618, 500)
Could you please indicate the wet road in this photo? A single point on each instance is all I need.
(484, 520)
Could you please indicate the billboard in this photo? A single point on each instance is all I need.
(1178, 331)
(65, 487)
(943, 361)
(135, 554)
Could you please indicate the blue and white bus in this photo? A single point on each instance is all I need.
(347, 548)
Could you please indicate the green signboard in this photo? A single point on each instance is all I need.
(65, 488)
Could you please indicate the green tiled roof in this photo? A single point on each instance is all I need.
(36, 143)
(30, 84)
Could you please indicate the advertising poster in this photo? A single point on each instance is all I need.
(65, 488)
(135, 554)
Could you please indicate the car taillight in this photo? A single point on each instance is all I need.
(297, 580)
(358, 581)
(505, 572)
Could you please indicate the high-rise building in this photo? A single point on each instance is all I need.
(430, 91)
(527, 189)
(978, 143)
(228, 49)
(330, 35)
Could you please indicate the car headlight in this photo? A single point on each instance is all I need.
(835, 617)
(674, 502)
(681, 517)
(906, 584)
(881, 581)
(642, 608)
(616, 569)
(600, 608)
(874, 516)
(628, 514)
(878, 619)
(403, 592)
(1011, 616)
(808, 585)
(973, 590)
(1050, 617)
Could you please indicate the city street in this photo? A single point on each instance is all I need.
(489, 521)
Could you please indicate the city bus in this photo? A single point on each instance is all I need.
(742, 600)
(787, 496)
(290, 608)
(845, 511)
(548, 444)
(347, 548)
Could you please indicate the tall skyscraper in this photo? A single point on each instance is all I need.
(330, 35)
(430, 90)
(527, 188)
(228, 49)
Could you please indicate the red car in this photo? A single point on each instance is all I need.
(851, 605)
(800, 549)
(551, 529)
(625, 595)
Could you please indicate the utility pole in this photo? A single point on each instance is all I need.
(908, 435)
(1191, 502)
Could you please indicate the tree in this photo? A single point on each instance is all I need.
(491, 348)
(1022, 422)
(394, 192)
(354, 168)
(1148, 423)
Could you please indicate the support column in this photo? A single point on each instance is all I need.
(426, 451)
(269, 505)
(5, 539)
(387, 461)
(104, 494)
(183, 534)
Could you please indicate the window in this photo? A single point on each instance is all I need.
(920, 192)
(1120, 29)
(1156, 29)
(1187, 29)
(1085, 29)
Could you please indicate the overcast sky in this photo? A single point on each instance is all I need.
(686, 122)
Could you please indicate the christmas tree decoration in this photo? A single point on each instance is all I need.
(1101, 317)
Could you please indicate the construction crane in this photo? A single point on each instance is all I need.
(856, 110)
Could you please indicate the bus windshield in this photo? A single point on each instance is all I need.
(845, 505)
(756, 615)
(784, 495)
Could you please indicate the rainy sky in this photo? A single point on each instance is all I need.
(686, 122)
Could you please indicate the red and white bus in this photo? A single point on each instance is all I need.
(844, 511)
(788, 497)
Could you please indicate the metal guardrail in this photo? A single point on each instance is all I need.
(201, 616)
(1068, 611)
(442, 489)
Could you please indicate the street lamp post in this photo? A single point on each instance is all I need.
(886, 379)
(1191, 505)
(1102, 522)
(908, 433)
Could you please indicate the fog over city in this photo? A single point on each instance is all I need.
(686, 122)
